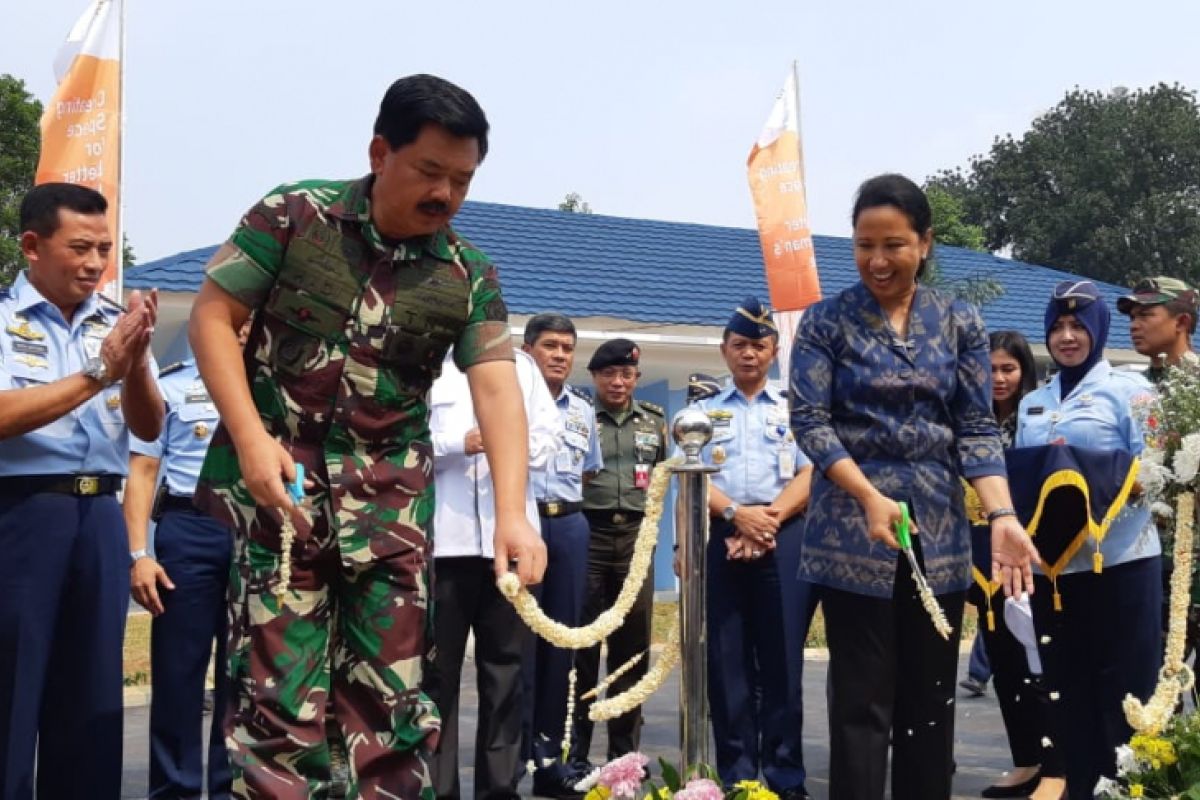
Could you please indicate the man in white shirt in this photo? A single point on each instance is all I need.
(464, 583)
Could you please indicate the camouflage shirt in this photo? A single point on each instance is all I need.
(350, 332)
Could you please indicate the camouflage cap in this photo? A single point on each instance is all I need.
(1158, 290)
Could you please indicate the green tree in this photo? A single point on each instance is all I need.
(1105, 184)
(574, 203)
(20, 139)
(951, 229)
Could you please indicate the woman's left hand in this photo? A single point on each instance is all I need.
(1013, 556)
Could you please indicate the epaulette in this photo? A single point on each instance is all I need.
(653, 408)
(581, 394)
(169, 368)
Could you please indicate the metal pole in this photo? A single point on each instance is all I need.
(692, 430)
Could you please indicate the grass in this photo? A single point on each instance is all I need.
(665, 612)
(137, 650)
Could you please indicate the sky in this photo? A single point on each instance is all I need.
(647, 109)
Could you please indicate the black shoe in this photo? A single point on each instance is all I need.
(795, 793)
(560, 783)
(1016, 790)
(974, 687)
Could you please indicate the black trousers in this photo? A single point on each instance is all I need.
(466, 599)
(1023, 697)
(1104, 644)
(610, 550)
(891, 679)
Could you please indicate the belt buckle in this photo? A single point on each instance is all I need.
(553, 508)
(620, 518)
(87, 485)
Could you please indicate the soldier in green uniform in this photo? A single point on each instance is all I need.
(633, 438)
(359, 289)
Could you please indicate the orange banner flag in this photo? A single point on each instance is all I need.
(81, 124)
(776, 173)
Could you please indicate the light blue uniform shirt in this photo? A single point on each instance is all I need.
(562, 477)
(188, 427)
(38, 346)
(752, 444)
(1096, 415)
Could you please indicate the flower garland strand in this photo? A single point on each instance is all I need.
(1175, 677)
(585, 636)
(287, 534)
(610, 679)
(566, 740)
(648, 684)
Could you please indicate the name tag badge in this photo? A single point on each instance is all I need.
(30, 348)
(91, 346)
(1035, 411)
(787, 464)
(641, 476)
(564, 461)
(648, 440)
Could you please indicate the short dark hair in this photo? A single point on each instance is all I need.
(1179, 306)
(39, 208)
(415, 101)
(548, 323)
(1016, 345)
(902, 194)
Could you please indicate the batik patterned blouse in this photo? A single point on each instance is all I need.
(915, 414)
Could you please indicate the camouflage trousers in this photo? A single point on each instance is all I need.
(350, 632)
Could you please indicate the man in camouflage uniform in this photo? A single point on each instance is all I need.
(1162, 315)
(633, 438)
(359, 289)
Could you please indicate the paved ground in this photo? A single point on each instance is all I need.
(981, 748)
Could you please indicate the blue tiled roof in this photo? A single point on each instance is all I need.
(587, 265)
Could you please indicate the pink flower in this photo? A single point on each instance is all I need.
(700, 789)
(623, 776)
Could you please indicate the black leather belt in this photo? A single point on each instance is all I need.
(610, 517)
(558, 508)
(179, 502)
(77, 485)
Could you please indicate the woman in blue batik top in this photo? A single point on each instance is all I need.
(891, 400)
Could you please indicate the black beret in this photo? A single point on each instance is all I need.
(615, 353)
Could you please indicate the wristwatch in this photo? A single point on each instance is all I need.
(137, 555)
(97, 370)
(729, 512)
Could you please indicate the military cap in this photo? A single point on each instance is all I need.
(1158, 290)
(752, 320)
(701, 386)
(615, 353)
(1071, 295)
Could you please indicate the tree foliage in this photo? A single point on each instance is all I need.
(20, 139)
(951, 229)
(1105, 184)
(574, 203)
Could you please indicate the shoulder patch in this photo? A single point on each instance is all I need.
(581, 394)
(170, 368)
(653, 408)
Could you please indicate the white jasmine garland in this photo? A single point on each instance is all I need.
(610, 679)
(1187, 458)
(1175, 677)
(287, 535)
(648, 684)
(569, 638)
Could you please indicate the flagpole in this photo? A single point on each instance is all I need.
(121, 160)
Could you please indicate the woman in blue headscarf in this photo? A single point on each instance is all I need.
(1105, 638)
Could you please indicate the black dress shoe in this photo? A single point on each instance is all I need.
(560, 783)
(1016, 790)
(795, 793)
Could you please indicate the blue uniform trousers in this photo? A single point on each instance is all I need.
(1105, 643)
(195, 551)
(64, 593)
(758, 614)
(547, 667)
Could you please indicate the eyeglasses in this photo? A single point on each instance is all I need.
(615, 373)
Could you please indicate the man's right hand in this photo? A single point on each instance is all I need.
(759, 524)
(473, 442)
(127, 341)
(265, 465)
(145, 576)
